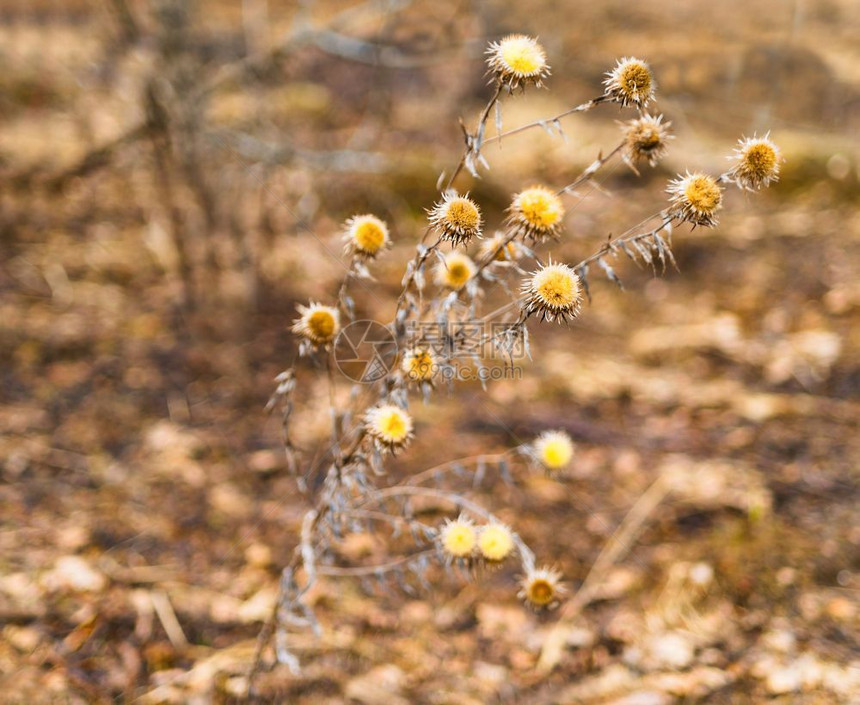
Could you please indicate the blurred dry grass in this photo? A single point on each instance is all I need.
(140, 478)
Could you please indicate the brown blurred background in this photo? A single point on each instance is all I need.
(173, 176)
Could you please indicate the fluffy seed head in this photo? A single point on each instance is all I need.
(495, 542)
(366, 235)
(756, 163)
(696, 198)
(537, 212)
(420, 364)
(318, 324)
(389, 425)
(458, 538)
(456, 271)
(553, 449)
(646, 138)
(630, 82)
(553, 291)
(517, 60)
(541, 588)
(496, 248)
(458, 218)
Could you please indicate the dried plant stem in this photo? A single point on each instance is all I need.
(359, 571)
(454, 464)
(543, 123)
(475, 141)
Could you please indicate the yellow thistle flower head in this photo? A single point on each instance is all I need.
(496, 248)
(629, 82)
(456, 271)
(696, 198)
(389, 425)
(495, 542)
(756, 163)
(537, 212)
(553, 291)
(553, 449)
(646, 138)
(366, 235)
(318, 324)
(458, 538)
(517, 60)
(458, 218)
(420, 364)
(541, 588)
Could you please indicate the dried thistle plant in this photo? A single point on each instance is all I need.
(354, 492)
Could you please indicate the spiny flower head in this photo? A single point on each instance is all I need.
(456, 271)
(458, 218)
(629, 82)
(537, 212)
(696, 198)
(420, 364)
(366, 236)
(318, 324)
(553, 291)
(541, 588)
(553, 449)
(497, 248)
(756, 163)
(389, 425)
(458, 538)
(495, 542)
(517, 60)
(646, 138)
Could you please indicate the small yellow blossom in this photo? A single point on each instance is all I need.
(537, 212)
(495, 542)
(541, 588)
(554, 449)
(420, 364)
(696, 198)
(389, 425)
(517, 60)
(553, 291)
(458, 538)
(456, 271)
(318, 324)
(646, 138)
(756, 164)
(629, 82)
(366, 236)
(458, 218)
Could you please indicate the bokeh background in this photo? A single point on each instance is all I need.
(173, 176)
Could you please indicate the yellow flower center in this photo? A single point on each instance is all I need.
(421, 365)
(648, 139)
(458, 539)
(495, 543)
(760, 160)
(556, 286)
(541, 591)
(457, 271)
(540, 208)
(462, 214)
(321, 324)
(635, 80)
(556, 453)
(522, 56)
(393, 426)
(703, 194)
(368, 236)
